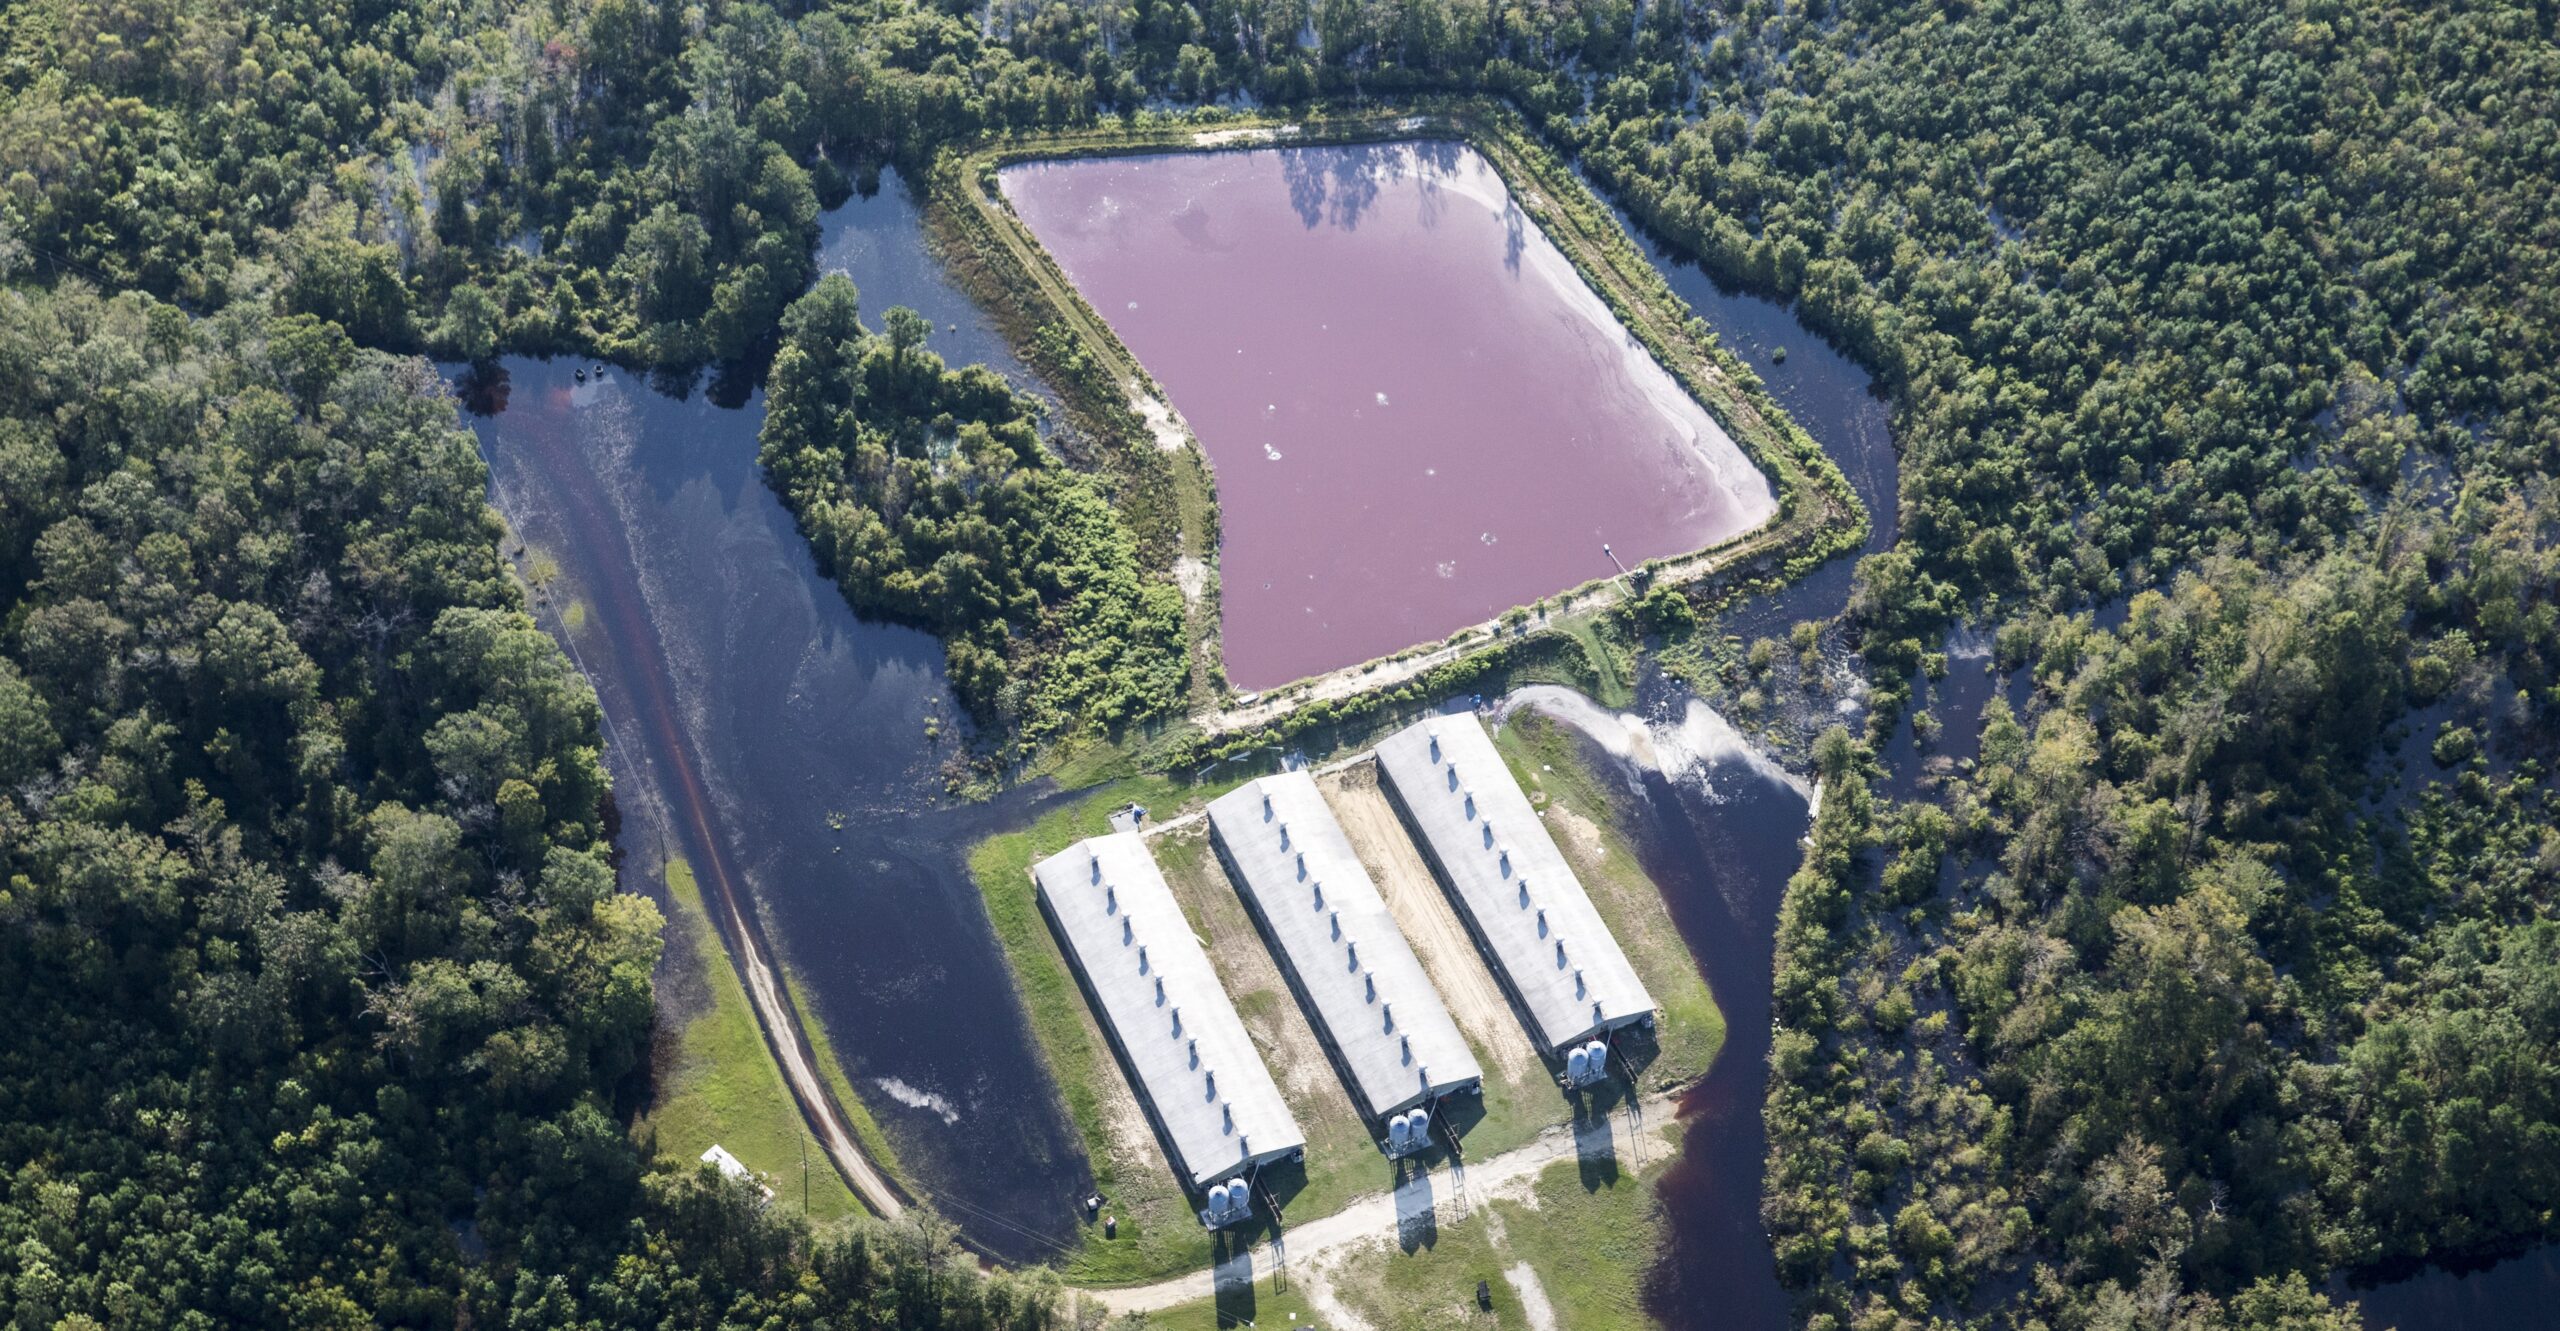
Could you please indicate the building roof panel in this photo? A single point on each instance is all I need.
(1368, 995)
(1510, 881)
(1159, 997)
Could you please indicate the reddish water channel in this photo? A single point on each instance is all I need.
(1419, 414)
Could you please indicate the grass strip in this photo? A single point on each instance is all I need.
(718, 1084)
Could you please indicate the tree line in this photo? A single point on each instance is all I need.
(324, 1009)
(2235, 318)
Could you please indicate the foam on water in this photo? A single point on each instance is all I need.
(913, 1098)
(1689, 747)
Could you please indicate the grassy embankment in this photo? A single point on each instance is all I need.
(716, 1081)
(1158, 1236)
(1546, 758)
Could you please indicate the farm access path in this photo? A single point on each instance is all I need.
(1627, 1137)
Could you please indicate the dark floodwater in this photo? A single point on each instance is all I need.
(748, 710)
(737, 686)
(879, 243)
(1721, 842)
(1716, 825)
(1419, 414)
(1724, 838)
(1834, 400)
(2521, 1291)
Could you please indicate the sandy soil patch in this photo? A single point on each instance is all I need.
(1220, 138)
(1579, 837)
(1191, 574)
(1533, 1296)
(1337, 1316)
(1171, 435)
(1133, 1138)
(1440, 940)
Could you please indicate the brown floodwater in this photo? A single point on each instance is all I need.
(1420, 416)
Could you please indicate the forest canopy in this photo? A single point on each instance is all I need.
(2220, 340)
(928, 496)
(325, 1004)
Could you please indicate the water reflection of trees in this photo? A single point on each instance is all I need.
(1337, 185)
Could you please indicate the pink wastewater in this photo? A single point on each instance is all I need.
(1419, 415)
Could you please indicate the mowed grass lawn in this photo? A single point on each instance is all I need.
(1587, 1245)
(716, 1082)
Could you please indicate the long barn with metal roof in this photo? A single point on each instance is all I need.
(1523, 903)
(1371, 1002)
(1192, 1063)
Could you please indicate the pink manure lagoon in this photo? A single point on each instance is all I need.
(1419, 415)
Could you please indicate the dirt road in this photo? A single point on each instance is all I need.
(685, 803)
(1443, 1196)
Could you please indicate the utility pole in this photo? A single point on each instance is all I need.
(804, 1172)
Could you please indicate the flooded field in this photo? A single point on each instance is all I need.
(1419, 414)
(790, 751)
(759, 729)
